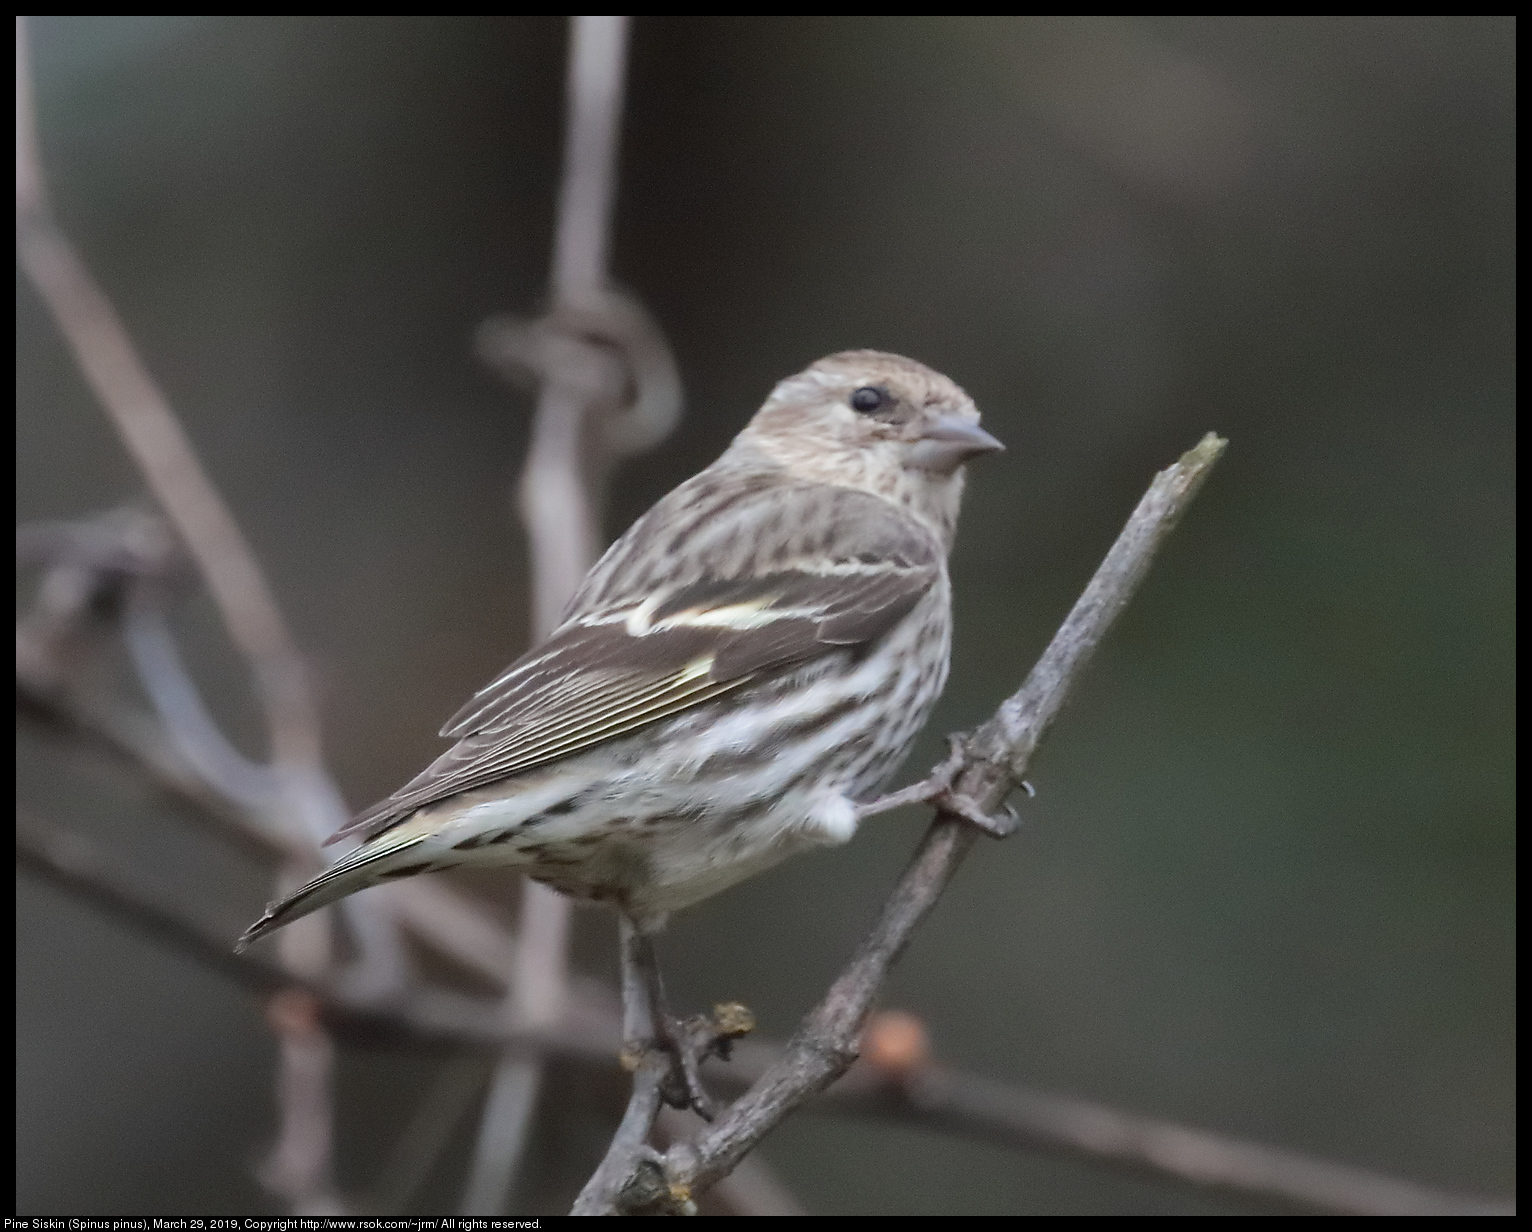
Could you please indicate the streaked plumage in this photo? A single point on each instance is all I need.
(749, 660)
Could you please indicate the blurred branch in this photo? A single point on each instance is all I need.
(123, 547)
(977, 1107)
(297, 793)
(444, 919)
(298, 1168)
(607, 386)
(76, 866)
(900, 1085)
(994, 760)
(142, 416)
(420, 1018)
(305, 797)
(94, 569)
(177, 701)
(132, 738)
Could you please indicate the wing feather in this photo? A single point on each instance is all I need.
(655, 652)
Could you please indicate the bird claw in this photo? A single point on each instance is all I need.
(929, 790)
(683, 1087)
(946, 773)
(1001, 825)
(688, 1042)
(936, 790)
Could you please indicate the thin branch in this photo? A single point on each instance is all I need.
(142, 416)
(113, 572)
(825, 1045)
(302, 797)
(564, 534)
(299, 1166)
(578, 379)
(421, 1018)
(77, 867)
(918, 1094)
(1016, 1117)
(131, 738)
(1001, 749)
(449, 922)
(178, 702)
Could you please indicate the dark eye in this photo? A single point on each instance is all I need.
(869, 398)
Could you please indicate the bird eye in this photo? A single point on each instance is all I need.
(869, 398)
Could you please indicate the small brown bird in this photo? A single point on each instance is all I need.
(734, 679)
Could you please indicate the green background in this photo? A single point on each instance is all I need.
(1266, 886)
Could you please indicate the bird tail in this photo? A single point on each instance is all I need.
(385, 856)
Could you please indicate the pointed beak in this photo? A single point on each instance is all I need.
(946, 443)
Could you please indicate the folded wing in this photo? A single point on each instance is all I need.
(608, 672)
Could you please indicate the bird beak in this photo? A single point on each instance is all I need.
(947, 442)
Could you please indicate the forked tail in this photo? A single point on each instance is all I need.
(365, 866)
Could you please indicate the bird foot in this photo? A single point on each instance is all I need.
(688, 1042)
(936, 789)
(998, 825)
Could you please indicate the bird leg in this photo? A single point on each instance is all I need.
(648, 1026)
(937, 789)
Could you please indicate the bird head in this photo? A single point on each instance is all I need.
(877, 422)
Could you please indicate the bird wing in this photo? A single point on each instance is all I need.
(609, 672)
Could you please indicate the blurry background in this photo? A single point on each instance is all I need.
(1266, 886)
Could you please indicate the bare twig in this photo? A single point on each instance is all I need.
(177, 701)
(299, 794)
(141, 414)
(298, 1168)
(421, 1018)
(444, 919)
(308, 800)
(978, 1107)
(912, 1091)
(825, 1045)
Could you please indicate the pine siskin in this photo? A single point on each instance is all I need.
(752, 659)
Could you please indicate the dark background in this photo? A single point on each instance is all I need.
(1266, 886)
